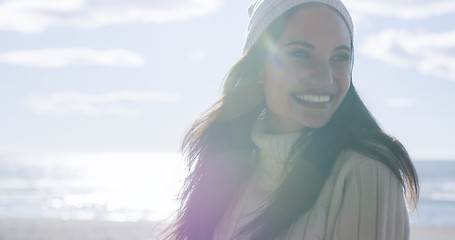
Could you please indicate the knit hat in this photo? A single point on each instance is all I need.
(263, 12)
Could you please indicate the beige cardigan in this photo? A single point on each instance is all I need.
(361, 199)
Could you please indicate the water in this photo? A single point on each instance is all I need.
(437, 199)
(95, 186)
(144, 186)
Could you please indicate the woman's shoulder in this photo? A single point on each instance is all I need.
(352, 163)
(352, 158)
(366, 198)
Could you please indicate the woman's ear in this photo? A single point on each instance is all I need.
(241, 101)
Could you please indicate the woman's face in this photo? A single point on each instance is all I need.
(308, 73)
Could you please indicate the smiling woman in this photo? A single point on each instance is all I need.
(308, 74)
(290, 151)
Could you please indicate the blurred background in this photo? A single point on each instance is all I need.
(95, 96)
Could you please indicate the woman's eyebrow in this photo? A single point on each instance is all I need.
(304, 44)
(309, 45)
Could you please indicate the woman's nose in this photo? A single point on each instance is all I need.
(321, 74)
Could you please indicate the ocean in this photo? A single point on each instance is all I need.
(436, 206)
(144, 186)
(91, 186)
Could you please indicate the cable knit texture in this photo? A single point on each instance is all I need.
(361, 199)
(263, 12)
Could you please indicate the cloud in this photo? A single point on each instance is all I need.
(429, 53)
(60, 57)
(400, 102)
(197, 55)
(111, 104)
(34, 16)
(403, 9)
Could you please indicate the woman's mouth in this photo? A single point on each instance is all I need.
(312, 98)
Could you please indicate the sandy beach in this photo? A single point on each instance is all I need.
(50, 229)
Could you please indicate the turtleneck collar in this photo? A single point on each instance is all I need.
(274, 146)
(273, 154)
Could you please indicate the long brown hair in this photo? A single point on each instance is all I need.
(220, 153)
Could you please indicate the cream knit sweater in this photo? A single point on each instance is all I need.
(361, 199)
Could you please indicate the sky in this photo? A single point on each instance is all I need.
(109, 76)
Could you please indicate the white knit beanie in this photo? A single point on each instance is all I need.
(263, 12)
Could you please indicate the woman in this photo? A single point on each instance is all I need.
(290, 151)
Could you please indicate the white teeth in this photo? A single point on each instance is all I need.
(313, 98)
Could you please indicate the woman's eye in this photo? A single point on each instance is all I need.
(299, 53)
(343, 57)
